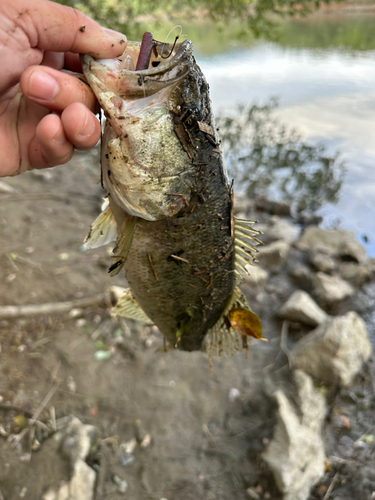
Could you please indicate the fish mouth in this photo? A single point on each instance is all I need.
(167, 64)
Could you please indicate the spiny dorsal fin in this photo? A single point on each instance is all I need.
(238, 322)
(128, 307)
(123, 243)
(245, 246)
(102, 231)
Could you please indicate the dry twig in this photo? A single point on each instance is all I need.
(51, 308)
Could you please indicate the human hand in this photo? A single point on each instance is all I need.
(38, 39)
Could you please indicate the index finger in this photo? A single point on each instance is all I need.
(54, 27)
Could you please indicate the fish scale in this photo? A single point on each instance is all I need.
(171, 201)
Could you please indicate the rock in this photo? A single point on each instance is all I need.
(80, 487)
(356, 274)
(77, 439)
(279, 229)
(322, 262)
(335, 351)
(273, 207)
(82, 482)
(336, 242)
(296, 452)
(302, 308)
(274, 254)
(301, 274)
(331, 288)
(257, 276)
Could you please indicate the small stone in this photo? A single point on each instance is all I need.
(63, 256)
(274, 254)
(251, 493)
(256, 276)
(300, 307)
(296, 452)
(77, 439)
(129, 446)
(233, 394)
(74, 313)
(331, 288)
(335, 351)
(23, 492)
(323, 262)
(102, 355)
(121, 483)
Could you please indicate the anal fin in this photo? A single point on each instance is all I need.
(128, 307)
(230, 333)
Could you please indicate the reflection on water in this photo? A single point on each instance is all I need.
(268, 159)
(325, 91)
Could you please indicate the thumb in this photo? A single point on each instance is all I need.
(54, 27)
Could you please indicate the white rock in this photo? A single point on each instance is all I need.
(274, 254)
(77, 439)
(296, 452)
(82, 482)
(302, 308)
(339, 242)
(331, 288)
(257, 276)
(335, 351)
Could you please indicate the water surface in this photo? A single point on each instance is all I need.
(323, 73)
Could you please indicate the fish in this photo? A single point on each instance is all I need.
(170, 203)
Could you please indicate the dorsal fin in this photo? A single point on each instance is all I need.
(245, 246)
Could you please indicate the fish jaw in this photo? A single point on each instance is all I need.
(143, 160)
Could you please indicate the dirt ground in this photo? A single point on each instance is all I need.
(207, 429)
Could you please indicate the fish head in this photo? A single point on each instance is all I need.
(143, 161)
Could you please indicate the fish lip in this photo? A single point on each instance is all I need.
(184, 51)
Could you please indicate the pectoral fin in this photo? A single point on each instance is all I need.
(102, 231)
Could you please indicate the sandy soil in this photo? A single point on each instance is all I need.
(207, 429)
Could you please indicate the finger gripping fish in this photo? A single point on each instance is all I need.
(170, 202)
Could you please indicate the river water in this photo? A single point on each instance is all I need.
(322, 71)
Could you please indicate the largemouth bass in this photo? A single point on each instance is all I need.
(170, 201)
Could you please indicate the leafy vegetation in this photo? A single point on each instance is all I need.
(268, 159)
(255, 15)
(354, 32)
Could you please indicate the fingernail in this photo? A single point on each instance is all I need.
(88, 127)
(42, 86)
(59, 137)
